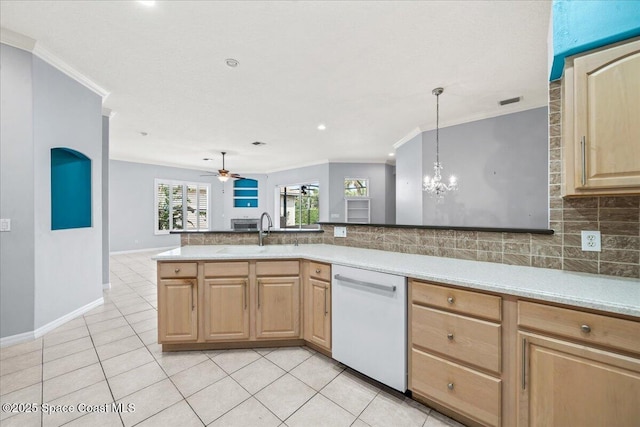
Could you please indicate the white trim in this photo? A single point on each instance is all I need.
(164, 248)
(17, 40)
(408, 137)
(304, 165)
(28, 44)
(31, 335)
(106, 286)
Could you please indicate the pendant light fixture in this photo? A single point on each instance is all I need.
(434, 186)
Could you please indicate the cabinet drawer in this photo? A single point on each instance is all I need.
(464, 390)
(277, 268)
(320, 271)
(170, 270)
(588, 327)
(472, 341)
(226, 269)
(466, 302)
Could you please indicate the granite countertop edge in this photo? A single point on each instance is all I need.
(592, 291)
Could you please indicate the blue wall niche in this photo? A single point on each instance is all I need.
(245, 193)
(70, 189)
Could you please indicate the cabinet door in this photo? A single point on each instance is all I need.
(317, 311)
(607, 108)
(177, 310)
(278, 307)
(565, 384)
(226, 309)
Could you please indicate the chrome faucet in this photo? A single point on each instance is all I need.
(261, 232)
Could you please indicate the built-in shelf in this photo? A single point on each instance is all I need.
(357, 210)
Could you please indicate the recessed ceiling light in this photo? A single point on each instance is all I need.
(206, 159)
(231, 62)
(392, 154)
(148, 3)
(258, 143)
(144, 133)
(322, 126)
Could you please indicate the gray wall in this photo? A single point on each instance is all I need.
(132, 211)
(409, 182)
(380, 198)
(502, 168)
(68, 263)
(390, 190)
(17, 253)
(105, 200)
(44, 274)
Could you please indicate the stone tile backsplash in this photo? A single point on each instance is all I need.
(617, 218)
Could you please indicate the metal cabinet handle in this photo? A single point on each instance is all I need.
(317, 271)
(450, 386)
(389, 288)
(451, 300)
(450, 337)
(585, 328)
(524, 363)
(325, 301)
(177, 270)
(583, 149)
(193, 297)
(244, 294)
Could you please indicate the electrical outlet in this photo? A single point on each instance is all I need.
(591, 241)
(339, 231)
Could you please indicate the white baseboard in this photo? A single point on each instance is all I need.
(31, 335)
(165, 248)
(106, 286)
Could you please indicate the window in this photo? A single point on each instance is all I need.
(299, 206)
(356, 187)
(181, 206)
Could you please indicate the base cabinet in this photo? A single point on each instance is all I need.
(566, 384)
(278, 307)
(226, 309)
(317, 305)
(577, 368)
(177, 310)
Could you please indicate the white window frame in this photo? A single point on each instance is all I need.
(184, 184)
(348, 178)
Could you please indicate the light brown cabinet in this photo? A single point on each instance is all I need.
(317, 305)
(177, 303)
(577, 368)
(225, 305)
(278, 307)
(455, 350)
(601, 130)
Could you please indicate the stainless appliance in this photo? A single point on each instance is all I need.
(369, 323)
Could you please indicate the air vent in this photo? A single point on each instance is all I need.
(258, 143)
(510, 100)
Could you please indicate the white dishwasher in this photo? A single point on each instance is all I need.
(369, 323)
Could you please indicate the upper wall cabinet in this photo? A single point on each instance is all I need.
(601, 122)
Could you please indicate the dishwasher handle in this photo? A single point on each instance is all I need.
(389, 288)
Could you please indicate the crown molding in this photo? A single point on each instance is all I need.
(28, 44)
(408, 137)
(17, 40)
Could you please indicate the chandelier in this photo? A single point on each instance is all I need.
(434, 186)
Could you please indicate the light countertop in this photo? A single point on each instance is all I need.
(598, 292)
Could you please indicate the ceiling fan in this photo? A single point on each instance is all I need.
(223, 174)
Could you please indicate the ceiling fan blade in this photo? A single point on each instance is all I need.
(210, 174)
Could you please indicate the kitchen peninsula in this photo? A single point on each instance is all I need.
(481, 336)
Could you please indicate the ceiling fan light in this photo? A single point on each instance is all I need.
(223, 178)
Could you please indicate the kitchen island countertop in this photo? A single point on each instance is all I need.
(597, 292)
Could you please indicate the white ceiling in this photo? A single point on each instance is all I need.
(365, 69)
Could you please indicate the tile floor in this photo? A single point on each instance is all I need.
(110, 356)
